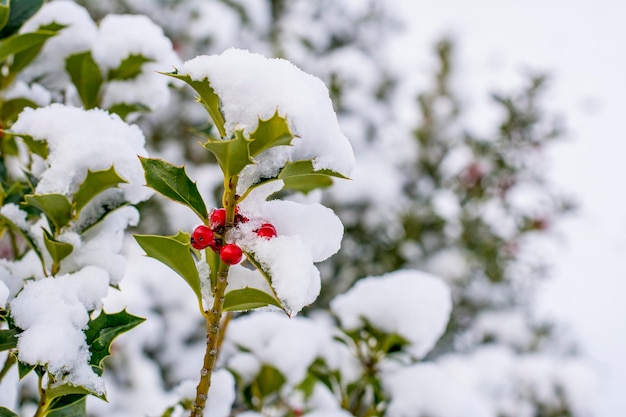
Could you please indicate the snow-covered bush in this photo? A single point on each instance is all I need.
(70, 181)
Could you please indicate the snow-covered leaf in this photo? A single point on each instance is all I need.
(175, 254)
(173, 183)
(269, 133)
(95, 182)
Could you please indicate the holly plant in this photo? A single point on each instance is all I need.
(226, 236)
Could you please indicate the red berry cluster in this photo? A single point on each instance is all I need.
(210, 237)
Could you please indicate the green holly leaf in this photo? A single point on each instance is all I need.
(67, 389)
(5, 412)
(95, 182)
(301, 176)
(129, 68)
(124, 109)
(101, 332)
(22, 58)
(248, 299)
(38, 147)
(22, 42)
(207, 97)
(173, 183)
(8, 339)
(170, 251)
(24, 369)
(58, 250)
(56, 207)
(5, 11)
(232, 155)
(270, 133)
(73, 405)
(268, 381)
(20, 11)
(85, 75)
(11, 108)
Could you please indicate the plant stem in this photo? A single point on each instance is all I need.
(212, 337)
(44, 402)
(214, 331)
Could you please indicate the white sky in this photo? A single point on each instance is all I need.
(582, 44)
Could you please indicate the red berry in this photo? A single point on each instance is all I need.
(267, 231)
(231, 254)
(218, 218)
(202, 237)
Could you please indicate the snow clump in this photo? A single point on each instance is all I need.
(252, 87)
(56, 306)
(92, 140)
(411, 304)
(307, 233)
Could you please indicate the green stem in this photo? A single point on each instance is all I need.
(213, 317)
(44, 402)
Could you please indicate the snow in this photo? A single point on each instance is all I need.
(321, 233)
(13, 274)
(33, 92)
(506, 327)
(412, 304)
(289, 257)
(426, 389)
(50, 307)
(289, 345)
(101, 244)
(513, 384)
(294, 277)
(246, 96)
(79, 34)
(4, 294)
(494, 49)
(94, 140)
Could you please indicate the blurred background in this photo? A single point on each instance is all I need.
(577, 43)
